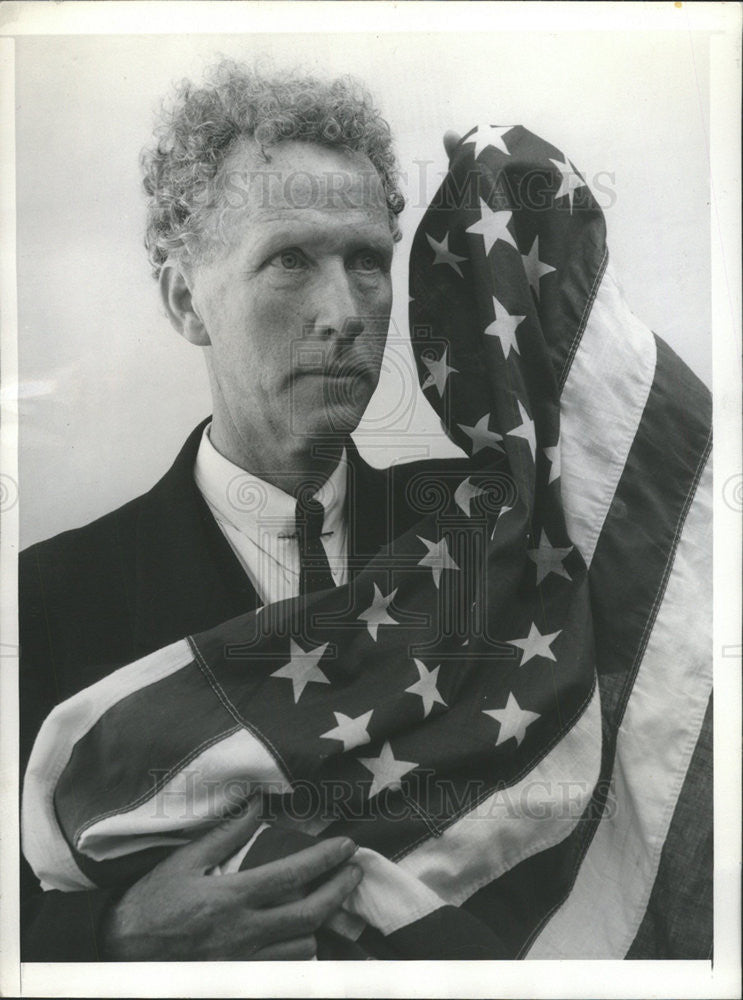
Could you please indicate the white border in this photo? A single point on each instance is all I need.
(725, 136)
(441, 979)
(152, 17)
(9, 813)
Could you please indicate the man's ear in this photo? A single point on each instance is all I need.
(175, 292)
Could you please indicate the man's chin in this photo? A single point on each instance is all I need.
(328, 425)
(335, 412)
(327, 422)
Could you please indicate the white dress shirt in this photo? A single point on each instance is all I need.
(258, 520)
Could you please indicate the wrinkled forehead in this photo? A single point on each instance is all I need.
(296, 176)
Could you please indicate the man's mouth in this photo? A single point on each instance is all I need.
(337, 371)
(345, 372)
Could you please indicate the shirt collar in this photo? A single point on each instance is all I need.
(254, 506)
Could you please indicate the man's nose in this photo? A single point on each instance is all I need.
(337, 312)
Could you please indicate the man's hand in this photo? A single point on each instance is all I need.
(178, 912)
(451, 141)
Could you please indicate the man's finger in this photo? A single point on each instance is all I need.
(276, 879)
(451, 141)
(221, 841)
(306, 915)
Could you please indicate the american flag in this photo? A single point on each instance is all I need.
(508, 708)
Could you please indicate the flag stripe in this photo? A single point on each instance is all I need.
(678, 919)
(656, 739)
(601, 408)
(388, 898)
(636, 546)
(230, 768)
(44, 844)
(513, 903)
(587, 309)
(177, 716)
(447, 933)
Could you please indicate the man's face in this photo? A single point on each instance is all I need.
(297, 303)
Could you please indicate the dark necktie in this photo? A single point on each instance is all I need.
(314, 569)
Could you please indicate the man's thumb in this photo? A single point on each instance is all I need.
(222, 840)
(451, 141)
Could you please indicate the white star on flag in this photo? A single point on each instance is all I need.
(481, 436)
(444, 255)
(549, 559)
(553, 457)
(526, 430)
(438, 372)
(513, 720)
(501, 512)
(437, 558)
(489, 135)
(504, 328)
(351, 732)
(535, 644)
(386, 770)
(465, 493)
(426, 688)
(570, 181)
(302, 668)
(492, 226)
(534, 267)
(376, 614)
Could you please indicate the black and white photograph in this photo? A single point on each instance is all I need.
(366, 580)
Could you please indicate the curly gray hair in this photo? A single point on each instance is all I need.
(198, 130)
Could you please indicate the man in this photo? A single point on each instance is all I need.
(271, 228)
(533, 623)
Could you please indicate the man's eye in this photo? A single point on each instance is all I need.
(290, 260)
(367, 260)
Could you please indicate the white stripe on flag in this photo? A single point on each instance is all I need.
(388, 897)
(515, 823)
(600, 410)
(237, 765)
(661, 725)
(44, 845)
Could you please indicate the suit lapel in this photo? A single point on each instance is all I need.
(188, 578)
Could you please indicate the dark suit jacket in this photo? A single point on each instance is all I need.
(96, 598)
